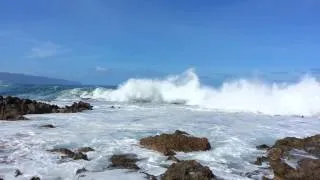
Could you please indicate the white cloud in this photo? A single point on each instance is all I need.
(101, 69)
(46, 50)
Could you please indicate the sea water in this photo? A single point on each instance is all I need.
(235, 117)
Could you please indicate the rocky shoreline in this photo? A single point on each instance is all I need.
(294, 158)
(289, 158)
(14, 108)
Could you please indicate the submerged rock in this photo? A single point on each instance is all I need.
(178, 141)
(17, 173)
(84, 149)
(13, 108)
(80, 171)
(70, 154)
(124, 161)
(35, 178)
(188, 170)
(263, 147)
(47, 126)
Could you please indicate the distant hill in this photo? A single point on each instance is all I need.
(14, 78)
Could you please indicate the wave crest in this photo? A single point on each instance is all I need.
(300, 98)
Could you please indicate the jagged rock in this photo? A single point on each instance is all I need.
(262, 147)
(85, 149)
(124, 161)
(47, 126)
(188, 170)
(178, 141)
(13, 108)
(70, 154)
(17, 173)
(79, 171)
(307, 169)
(260, 160)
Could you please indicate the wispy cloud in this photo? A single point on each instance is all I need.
(101, 69)
(46, 50)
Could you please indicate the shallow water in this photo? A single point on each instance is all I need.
(233, 137)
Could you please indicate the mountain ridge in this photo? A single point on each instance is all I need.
(18, 78)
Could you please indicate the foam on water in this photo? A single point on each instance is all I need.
(242, 95)
(111, 131)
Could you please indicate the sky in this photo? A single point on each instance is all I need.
(108, 41)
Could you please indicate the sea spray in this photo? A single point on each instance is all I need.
(242, 95)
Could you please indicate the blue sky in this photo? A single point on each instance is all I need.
(107, 41)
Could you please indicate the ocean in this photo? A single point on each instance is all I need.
(235, 116)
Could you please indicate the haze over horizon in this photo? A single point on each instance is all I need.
(106, 42)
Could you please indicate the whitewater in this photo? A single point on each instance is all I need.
(235, 116)
(241, 95)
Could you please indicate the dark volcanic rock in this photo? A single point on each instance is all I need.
(77, 107)
(124, 161)
(47, 126)
(178, 141)
(70, 154)
(85, 149)
(80, 171)
(188, 170)
(260, 160)
(262, 147)
(17, 173)
(307, 169)
(13, 108)
(35, 178)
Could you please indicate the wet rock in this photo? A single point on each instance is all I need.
(306, 169)
(79, 156)
(47, 126)
(188, 170)
(262, 147)
(17, 173)
(124, 161)
(80, 171)
(70, 154)
(260, 160)
(77, 107)
(169, 152)
(35, 178)
(149, 176)
(13, 108)
(173, 158)
(85, 149)
(178, 141)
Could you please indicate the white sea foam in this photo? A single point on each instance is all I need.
(243, 95)
(233, 137)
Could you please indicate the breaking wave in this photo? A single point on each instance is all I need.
(243, 95)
